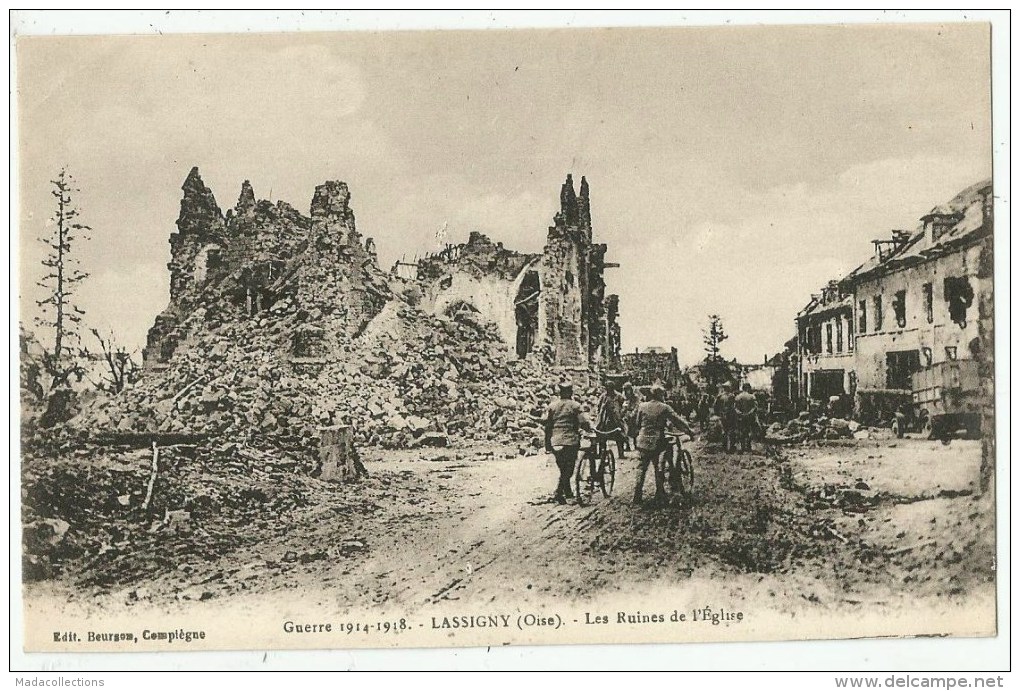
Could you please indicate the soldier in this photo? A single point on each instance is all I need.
(610, 416)
(745, 416)
(631, 400)
(723, 408)
(563, 421)
(652, 418)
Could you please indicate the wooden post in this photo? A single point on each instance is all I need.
(152, 477)
(336, 454)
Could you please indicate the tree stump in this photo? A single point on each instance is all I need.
(337, 457)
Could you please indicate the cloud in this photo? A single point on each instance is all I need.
(760, 256)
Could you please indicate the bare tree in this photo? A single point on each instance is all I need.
(121, 366)
(60, 317)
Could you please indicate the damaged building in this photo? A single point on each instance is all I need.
(911, 324)
(653, 366)
(826, 338)
(258, 254)
(281, 329)
(551, 304)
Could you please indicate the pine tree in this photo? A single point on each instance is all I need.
(60, 317)
(713, 337)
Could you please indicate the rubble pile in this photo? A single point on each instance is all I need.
(805, 427)
(411, 379)
(85, 512)
(280, 324)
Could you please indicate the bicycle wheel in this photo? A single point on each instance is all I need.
(584, 483)
(668, 469)
(685, 473)
(607, 473)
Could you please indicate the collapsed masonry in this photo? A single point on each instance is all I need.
(280, 325)
(552, 304)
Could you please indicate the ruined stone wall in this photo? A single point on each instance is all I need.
(577, 322)
(479, 275)
(645, 369)
(614, 344)
(563, 275)
(572, 273)
(237, 266)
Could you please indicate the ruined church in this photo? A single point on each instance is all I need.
(261, 256)
(552, 304)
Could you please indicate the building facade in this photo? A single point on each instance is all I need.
(652, 366)
(913, 321)
(826, 345)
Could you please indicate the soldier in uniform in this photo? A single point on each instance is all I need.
(653, 416)
(563, 421)
(745, 416)
(723, 408)
(610, 416)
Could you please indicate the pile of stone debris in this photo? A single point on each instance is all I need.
(281, 324)
(805, 427)
(408, 379)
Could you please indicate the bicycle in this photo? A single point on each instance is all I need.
(678, 466)
(596, 467)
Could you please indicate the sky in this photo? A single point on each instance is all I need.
(733, 171)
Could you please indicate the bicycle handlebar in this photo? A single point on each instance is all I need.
(678, 435)
(594, 434)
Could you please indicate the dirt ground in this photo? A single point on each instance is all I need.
(840, 526)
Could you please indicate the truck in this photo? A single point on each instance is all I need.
(947, 399)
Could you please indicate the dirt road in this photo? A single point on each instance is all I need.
(839, 527)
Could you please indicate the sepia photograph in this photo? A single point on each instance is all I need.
(515, 336)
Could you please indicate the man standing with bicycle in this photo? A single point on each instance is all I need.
(563, 421)
(609, 418)
(653, 416)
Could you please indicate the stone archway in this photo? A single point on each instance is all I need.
(526, 313)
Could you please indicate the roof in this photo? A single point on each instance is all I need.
(969, 227)
(817, 306)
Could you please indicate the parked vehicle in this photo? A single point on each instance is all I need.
(947, 399)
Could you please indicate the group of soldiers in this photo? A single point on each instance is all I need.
(738, 417)
(620, 417)
(632, 423)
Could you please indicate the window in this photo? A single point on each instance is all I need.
(862, 316)
(850, 333)
(839, 335)
(929, 304)
(813, 334)
(828, 338)
(878, 313)
(899, 305)
(899, 366)
(959, 296)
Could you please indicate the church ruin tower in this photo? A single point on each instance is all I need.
(234, 267)
(578, 328)
(551, 305)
